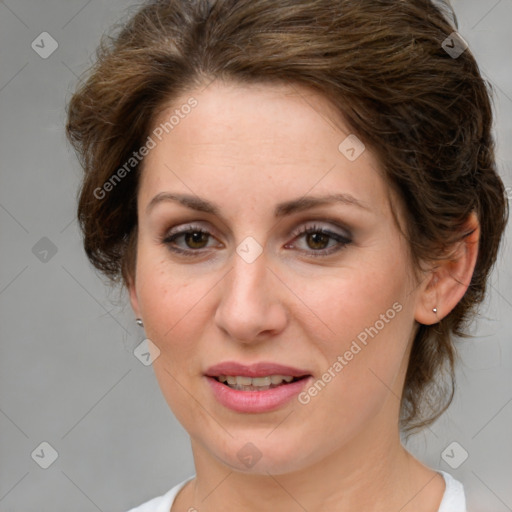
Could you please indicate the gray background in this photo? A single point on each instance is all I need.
(68, 375)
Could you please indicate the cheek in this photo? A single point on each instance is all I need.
(165, 297)
(366, 324)
(177, 311)
(355, 303)
(362, 363)
(174, 319)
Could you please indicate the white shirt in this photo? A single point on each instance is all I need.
(454, 499)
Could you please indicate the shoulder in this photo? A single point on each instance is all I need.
(161, 503)
(454, 499)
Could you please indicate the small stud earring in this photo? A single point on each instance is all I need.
(434, 310)
(139, 322)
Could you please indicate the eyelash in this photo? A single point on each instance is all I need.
(342, 240)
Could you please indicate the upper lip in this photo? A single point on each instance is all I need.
(262, 369)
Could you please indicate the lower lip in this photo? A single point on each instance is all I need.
(256, 401)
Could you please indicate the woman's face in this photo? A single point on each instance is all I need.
(281, 259)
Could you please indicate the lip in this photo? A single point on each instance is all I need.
(254, 370)
(255, 401)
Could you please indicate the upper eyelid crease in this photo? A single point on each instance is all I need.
(341, 239)
(281, 210)
(304, 229)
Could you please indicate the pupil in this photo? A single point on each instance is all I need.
(195, 239)
(318, 240)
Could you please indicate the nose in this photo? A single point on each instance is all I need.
(251, 307)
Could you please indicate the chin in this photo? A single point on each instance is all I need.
(257, 453)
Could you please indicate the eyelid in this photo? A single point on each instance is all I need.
(188, 226)
(315, 224)
(194, 225)
(342, 239)
(169, 240)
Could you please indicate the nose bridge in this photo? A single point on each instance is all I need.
(249, 269)
(248, 277)
(248, 305)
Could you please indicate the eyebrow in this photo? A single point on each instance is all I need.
(281, 210)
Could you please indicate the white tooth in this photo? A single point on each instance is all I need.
(247, 383)
(261, 381)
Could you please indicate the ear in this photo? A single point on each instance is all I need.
(446, 283)
(134, 300)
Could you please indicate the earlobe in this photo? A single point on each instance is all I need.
(448, 280)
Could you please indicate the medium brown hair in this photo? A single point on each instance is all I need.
(426, 114)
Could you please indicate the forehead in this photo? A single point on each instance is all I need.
(257, 140)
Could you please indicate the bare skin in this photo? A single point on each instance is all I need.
(247, 149)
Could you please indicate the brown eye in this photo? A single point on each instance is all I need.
(317, 240)
(196, 239)
(189, 240)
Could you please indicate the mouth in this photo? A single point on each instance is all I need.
(255, 388)
(243, 383)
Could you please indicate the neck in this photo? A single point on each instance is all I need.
(373, 472)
